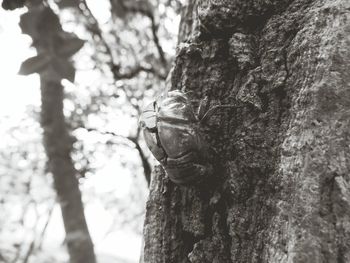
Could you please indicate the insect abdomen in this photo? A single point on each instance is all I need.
(186, 170)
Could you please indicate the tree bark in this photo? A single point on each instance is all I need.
(282, 191)
(58, 146)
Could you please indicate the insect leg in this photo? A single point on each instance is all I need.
(211, 111)
(203, 107)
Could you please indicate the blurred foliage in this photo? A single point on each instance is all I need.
(125, 53)
(26, 199)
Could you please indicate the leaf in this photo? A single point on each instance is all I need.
(67, 3)
(28, 23)
(34, 64)
(33, 3)
(12, 4)
(49, 23)
(39, 22)
(70, 46)
(64, 69)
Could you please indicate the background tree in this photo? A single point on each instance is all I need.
(128, 54)
(55, 47)
(282, 192)
(18, 186)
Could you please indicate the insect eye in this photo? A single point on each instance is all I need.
(155, 106)
(142, 124)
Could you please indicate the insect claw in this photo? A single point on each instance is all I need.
(203, 107)
(171, 131)
(211, 111)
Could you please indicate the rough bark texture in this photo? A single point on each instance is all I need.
(58, 146)
(283, 179)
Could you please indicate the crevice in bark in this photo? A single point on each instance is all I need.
(189, 241)
(327, 187)
(223, 18)
(281, 90)
(329, 193)
(222, 208)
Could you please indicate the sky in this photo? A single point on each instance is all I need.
(16, 92)
(19, 92)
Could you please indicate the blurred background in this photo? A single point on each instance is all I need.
(111, 57)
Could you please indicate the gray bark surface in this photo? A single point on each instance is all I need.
(281, 191)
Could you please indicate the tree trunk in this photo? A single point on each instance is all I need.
(282, 193)
(55, 47)
(58, 146)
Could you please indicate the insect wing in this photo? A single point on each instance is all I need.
(176, 121)
(176, 108)
(153, 144)
(176, 140)
(178, 96)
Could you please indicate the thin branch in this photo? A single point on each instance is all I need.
(154, 28)
(94, 28)
(43, 231)
(145, 164)
(32, 244)
(135, 140)
(135, 71)
(30, 251)
(156, 42)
